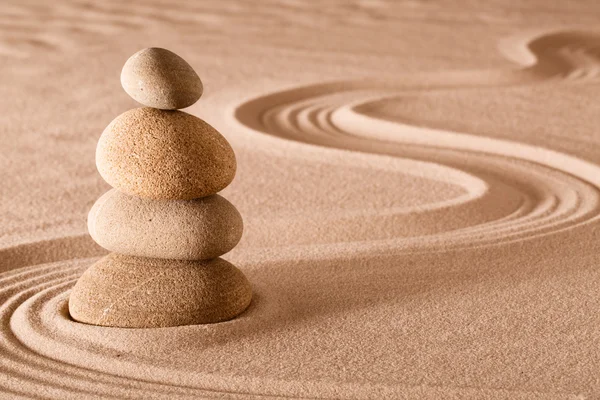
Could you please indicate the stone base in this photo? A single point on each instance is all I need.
(136, 292)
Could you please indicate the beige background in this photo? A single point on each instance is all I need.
(418, 180)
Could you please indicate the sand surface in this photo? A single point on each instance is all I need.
(419, 181)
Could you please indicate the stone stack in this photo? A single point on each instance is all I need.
(163, 221)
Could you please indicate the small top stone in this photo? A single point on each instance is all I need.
(161, 79)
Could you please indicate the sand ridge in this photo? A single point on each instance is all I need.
(487, 291)
(528, 190)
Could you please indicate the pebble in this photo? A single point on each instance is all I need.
(134, 292)
(159, 78)
(164, 155)
(179, 229)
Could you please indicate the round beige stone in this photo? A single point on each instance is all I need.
(164, 155)
(178, 229)
(134, 292)
(161, 79)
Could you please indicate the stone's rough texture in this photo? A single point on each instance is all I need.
(135, 292)
(179, 229)
(164, 155)
(160, 78)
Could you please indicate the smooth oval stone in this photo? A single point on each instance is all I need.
(179, 229)
(135, 292)
(161, 79)
(164, 155)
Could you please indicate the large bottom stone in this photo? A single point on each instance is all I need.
(135, 292)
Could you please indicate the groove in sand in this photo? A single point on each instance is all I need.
(513, 192)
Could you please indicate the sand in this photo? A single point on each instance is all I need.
(419, 183)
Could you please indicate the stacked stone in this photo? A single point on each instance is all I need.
(163, 221)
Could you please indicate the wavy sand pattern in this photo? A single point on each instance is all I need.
(513, 190)
(317, 335)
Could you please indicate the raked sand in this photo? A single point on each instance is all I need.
(419, 181)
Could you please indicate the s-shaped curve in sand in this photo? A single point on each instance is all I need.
(541, 192)
(515, 191)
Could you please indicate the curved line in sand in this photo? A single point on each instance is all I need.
(63, 380)
(42, 347)
(556, 191)
(46, 251)
(550, 191)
